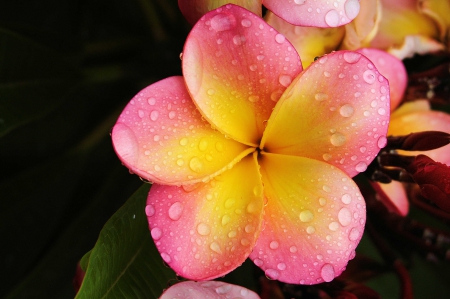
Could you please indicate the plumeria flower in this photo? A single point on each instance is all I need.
(207, 290)
(251, 156)
(317, 13)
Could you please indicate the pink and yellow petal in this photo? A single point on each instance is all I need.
(439, 11)
(393, 69)
(193, 10)
(407, 123)
(360, 31)
(415, 44)
(310, 42)
(162, 137)
(206, 230)
(236, 67)
(313, 220)
(393, 196)
(336, 111)
(319, 13)
(207, 290)
(406, 19)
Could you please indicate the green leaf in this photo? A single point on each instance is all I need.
(124, 262)
(33, 80)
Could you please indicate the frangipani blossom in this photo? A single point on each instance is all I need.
(251, 157)
(207, 290)
(317, 13)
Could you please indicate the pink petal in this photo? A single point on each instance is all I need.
(423, 121)
(193, 10)
(393, 69)
(161, 137)
(318, 13)
(313, 220)
(207, 230)
(393, 196)
(336, 111)
(310, 42)
(236, 67)
(207, 290)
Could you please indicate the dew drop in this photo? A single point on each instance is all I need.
(338, 139)
(327, 157)
(327, 272)
(322, 201)
(211, 92)
(195, 164)
(151, 101)
(141, 113)
(279, 38)
(226, 219)
(272, 274)
(326, 188)
(310, 230)
(352, 57)
(156, 233)
(321, 97)
(332, 18)
(223, 22)
(333, 226)
(344, 216)
(274, 245)
(281, 266)
(253, 98)
(347, 110)
(253, 207)
(238, 40)
(258, 262)
(154, 115)
(229, 203)
(180, 162)
(215, 247)
(369, 76)
(306, 216)
(382, 141)
(293, 249)
(166, 257)
(219, 146)
(285, 80)
(346, 198)
(223, 289)
(361, 166)
(149, 210)
(175, 211)
(381, 111)
(354, 234)
(249, 228)
(183, 141)
(203, 229)
(351, 8)
(246, 23)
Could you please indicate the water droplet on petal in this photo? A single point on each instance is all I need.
(195, 164)
(321, 97)
(141, 113)
(151, 101)
(354, 234)
(226, 219)
(156, 233)
(332, 18)
(175, 211)
(327, 272)
(223, 289)
(246, 23)
(253, 98)
(222, 22)
(338, 139)
(344, 216)
(285, 80)
(347, 110)
(154, 115)
(279, 38)
(361, 166)
(306, 216)
(281, 266)
(180, 162)
(310, 230)
(183, 141)
(352, 57)
(322, 201)
(149, 210)
(333, 226)
(293, 249)
(203, 144)
(382, 141)
(274, 245)
(346, 199)
(203, 229)
(215, 247)
(369, 76)
(166, 257)
(351, 8)
(272, 274)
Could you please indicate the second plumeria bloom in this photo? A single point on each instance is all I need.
(253, 157)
